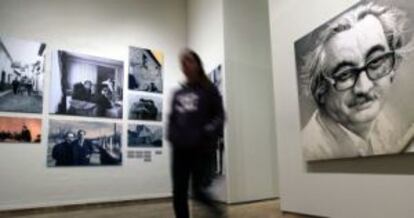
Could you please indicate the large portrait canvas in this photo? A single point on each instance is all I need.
(355, 77)
(21, 75)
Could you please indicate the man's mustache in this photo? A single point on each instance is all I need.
(362, 98)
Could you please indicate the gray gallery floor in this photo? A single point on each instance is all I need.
(263, 209)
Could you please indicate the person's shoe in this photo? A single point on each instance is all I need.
(219, 212)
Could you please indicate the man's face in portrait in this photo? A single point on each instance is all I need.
(88, 85)
(81, 135)
(356, 96)
(70, 137)
(105, 92)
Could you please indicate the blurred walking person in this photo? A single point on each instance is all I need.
(194, 126)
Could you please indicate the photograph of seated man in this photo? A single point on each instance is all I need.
(89, 86)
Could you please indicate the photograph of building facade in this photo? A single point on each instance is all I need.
(141, 135)
(145, 70)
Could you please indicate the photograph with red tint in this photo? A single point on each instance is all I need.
(20, 130)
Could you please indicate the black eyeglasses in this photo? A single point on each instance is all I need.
(375, 68)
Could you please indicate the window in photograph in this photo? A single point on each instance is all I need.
(84, 85)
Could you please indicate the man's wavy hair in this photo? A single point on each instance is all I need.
(394, 22)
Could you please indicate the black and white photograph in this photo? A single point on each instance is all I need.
(355, 83)
(79, 143)
(20, 130)
(145, 70)
(22, 70)
(216, 76)
(144, 136)
(84, 85)
(145, 107)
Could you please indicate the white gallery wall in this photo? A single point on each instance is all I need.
(236, 34)
(205, 36)
(252, 166)
(103, 28)
(205, 31)
(370, 188)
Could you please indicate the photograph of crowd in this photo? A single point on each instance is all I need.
(84, 85)
(145, 70)
(20, 130)
(76, 143)
(141, 135)
(145, 107)
(216, 76)
(21, 75)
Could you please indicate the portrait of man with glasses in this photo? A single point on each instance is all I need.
(348, 71)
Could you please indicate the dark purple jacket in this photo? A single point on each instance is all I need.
(197, 117)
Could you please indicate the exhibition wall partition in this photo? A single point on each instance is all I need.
(342, 73)
(235, 34)
(100, 73)
(101, 69)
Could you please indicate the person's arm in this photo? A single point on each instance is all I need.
(215, 124)
(56, 153)
(29, 135)
(171, 119)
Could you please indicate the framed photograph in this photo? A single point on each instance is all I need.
(216, 76)
(145, 107)
(145, 70)
(79, 143)
(20, 130)
(355, 77)
(145, 136)
(84, 85)
(21, 78)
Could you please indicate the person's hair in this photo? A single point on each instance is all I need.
(81, 131)
(70, 132)
(202, 77)
(393, 21)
